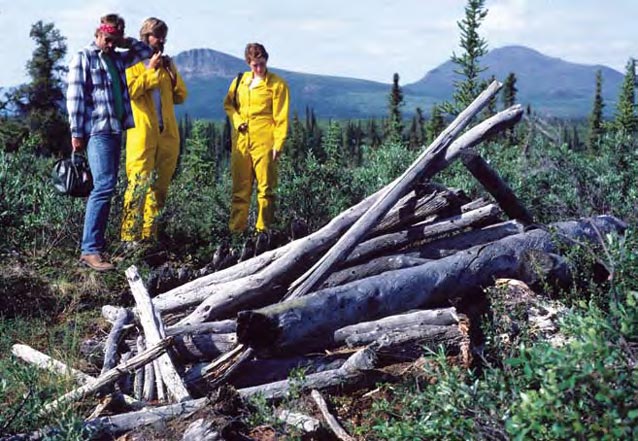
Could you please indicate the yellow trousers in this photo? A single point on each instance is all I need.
(149, 170)
(247, 165)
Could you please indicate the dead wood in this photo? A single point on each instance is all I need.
(301, 322)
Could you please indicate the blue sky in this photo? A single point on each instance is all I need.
(368, 39)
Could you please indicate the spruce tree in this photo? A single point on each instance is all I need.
(395, 122)
(40, 102)
(436, 124)
(626, 111)
(473, 48)
(509, 91)
(596, 117)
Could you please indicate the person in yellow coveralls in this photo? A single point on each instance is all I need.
(257, 105)
(152, 146)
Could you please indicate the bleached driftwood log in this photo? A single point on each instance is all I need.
(329, 417)
(43, 361)
(305, 423)
(122, 317)
(154, 332)
(201, 430)
(111, 376)
(432, 160)
(298, 322)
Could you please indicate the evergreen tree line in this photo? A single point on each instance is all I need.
(34, 115)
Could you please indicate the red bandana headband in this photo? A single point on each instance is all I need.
(110, 29)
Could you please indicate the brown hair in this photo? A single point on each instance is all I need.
(113, 20)
(152, 26)
(255, 51)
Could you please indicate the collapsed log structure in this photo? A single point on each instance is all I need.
(374, 286)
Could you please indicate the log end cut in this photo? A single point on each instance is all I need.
(256, 330)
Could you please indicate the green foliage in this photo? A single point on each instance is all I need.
(473, 48)
(435, 125)
(596, 117)
(626, 119)
(40, 101)
(586, 388)
(395, 121)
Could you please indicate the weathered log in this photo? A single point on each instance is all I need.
(226, 298)
(417, 207)
(202, 346)
(357, 367)
(275, 277)
(154, 332)
(329, 417)
(201, 430)
(122, 317)
(266, 370)
(43, 361)
(111, 376)
(473, 205)
(128, 421)
(305, 423)
(419, 234)
(459, 242)
(298, 322)
(372, 268)
(429, 317)
(220, 327)
(496, 186)
(425, 165)
(350, 373)
(138, 385)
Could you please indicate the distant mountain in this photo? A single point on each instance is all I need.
(551, 85)
(208, 74)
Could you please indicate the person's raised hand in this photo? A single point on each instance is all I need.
(155, 61)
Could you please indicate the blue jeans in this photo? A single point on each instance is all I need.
(103, 153)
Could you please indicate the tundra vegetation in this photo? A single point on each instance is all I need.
(519, 385)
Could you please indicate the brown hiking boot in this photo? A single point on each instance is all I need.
(96, 262)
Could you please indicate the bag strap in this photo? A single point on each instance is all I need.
(235, 102)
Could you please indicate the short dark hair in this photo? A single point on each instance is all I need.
(113, 20)
(255, 51)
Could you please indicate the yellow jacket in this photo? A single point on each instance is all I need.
(141, 83)
(264, 108)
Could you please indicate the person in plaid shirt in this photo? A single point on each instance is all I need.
(99, 109)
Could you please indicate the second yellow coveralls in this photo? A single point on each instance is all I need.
(264, 108)
(151, 150)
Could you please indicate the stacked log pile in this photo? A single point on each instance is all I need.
(371, 288)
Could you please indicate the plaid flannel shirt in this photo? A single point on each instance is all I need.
(89, 96)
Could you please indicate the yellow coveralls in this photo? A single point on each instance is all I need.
(151, 154)
(264, 108)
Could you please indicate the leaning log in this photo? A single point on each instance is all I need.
(497, 187)
(425, 166)
(298, 257)
(297, 323)
(277, 276)
(418, 234)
